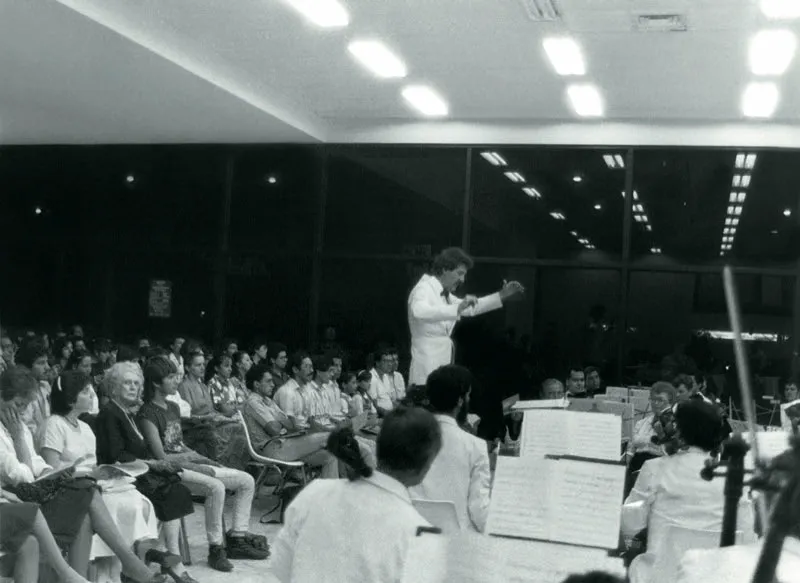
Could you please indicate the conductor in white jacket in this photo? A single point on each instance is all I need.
(433, 311)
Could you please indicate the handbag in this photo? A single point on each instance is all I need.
(170, 497)
(44, 490)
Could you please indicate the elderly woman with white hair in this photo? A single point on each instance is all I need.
(121, 441)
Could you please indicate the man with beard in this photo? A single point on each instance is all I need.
(460, 472)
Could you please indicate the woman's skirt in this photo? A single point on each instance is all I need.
(16, 524)
(134, 516)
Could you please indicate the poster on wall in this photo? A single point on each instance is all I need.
(160, 298)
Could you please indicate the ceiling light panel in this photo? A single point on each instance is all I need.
(614, 162)
(781, 9)
(565, 56)
(514, 176)
(494, 158)
(585, 100)
(425, 100)
(323, 13)
(532, 192)
(771, 52)
(378, 59)
(558, 215)
(760, 100)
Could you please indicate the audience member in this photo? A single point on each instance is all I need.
(296, 397)
(33, 355)
(460, 472)
(119, 440)
(374, 507)
(260, 351)
(229, 347)
(160, 424)
(81, 361)
(362, 402)
(275, 435)
(593, 381)
(72, 507)
(278, 357)
(327, 388)
(552, 389)
(226, 399)
(241, 362)
(380, 390)
(62, 350)
(175, 346)
(348, 392)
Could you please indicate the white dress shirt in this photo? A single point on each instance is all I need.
(460, 473)
(640, 441)
(381, 391)
(338, 530)
(290, 401)
(737, 564)
(397, 384)
(12, 471)
(669, 490)
(431, 319)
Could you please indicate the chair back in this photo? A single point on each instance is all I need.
(250, 448)
(678, 540)
(441, 513)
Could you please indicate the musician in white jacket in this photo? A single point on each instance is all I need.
(433, 311)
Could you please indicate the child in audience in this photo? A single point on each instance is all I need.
(227, 400)
(159, 422)
(348, 392)
(362, 402)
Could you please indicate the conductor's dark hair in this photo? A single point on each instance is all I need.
(410, 438)
(342, 444)
(593, 577)
(699, 423)
(446, 385)
(450, 259)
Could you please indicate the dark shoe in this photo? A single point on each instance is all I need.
(239, 547)
(218, 559)
(163, 559)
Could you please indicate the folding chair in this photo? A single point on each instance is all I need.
(265, 464)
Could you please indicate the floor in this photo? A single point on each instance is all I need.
(243, 571)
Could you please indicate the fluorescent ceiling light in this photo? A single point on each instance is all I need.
(324, 13)
(781, 9)
(750, 161)
(726, 231)
(557, 215)
(655, 250)
(614, 162)
(760, 100)
(741, 180)
(740, 160)
(771, 52)
(583, 241)
(376, 57)
(494, 158)
(637, 208)
(574, 233)
(425, 100)
(598, 207)
(565, 55)
(591, 247)
(648, 227)
(514, 176)
(738, 197)
(787, 212)
(532, 192)
(577, 178)
(585, 100)
(639, 218)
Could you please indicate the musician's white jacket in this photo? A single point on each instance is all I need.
(431, 319)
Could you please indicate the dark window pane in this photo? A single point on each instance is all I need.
(395, 200)
(714, 206)
(275, 201)
(575, 209)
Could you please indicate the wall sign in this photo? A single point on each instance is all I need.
(160, 302)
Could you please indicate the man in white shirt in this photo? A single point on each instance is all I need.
(396, 380)
(460, 473)
(33, 355)
(380, 389)
(297, 397)
(433, 311)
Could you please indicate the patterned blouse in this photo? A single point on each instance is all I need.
(223, 392)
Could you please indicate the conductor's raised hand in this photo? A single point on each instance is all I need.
(511, 289)
(468, 302)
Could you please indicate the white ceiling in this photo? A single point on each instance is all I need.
(111, 71)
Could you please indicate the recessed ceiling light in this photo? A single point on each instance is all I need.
(577, 178)
(760, 100)
(38, 210)
(726, 231)
(376, 57)
(771, 52)
(324, 13)
(750, 161)
(574, 233)
(598, 207)
(565, 55)
(637, 208)
(532, 192)
(787, 212)
(774, 231)
(514, 176)
(130, 179)
(425, 100)
(781, 9)
(494, 158)
(655, 250)
(738, 197)
(648, 227)
(741, 180)
(614, 162)
(585, 100)
(559, 216)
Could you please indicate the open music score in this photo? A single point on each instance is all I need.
(558, 500)
(473, 558)
(558, 432)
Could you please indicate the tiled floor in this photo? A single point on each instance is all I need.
(243, 571)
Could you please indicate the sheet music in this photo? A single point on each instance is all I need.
(509, 402)
(473, 558)
(540, 404)
(586, 498)
(544, 432)
(520, 501)
(594, 435)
